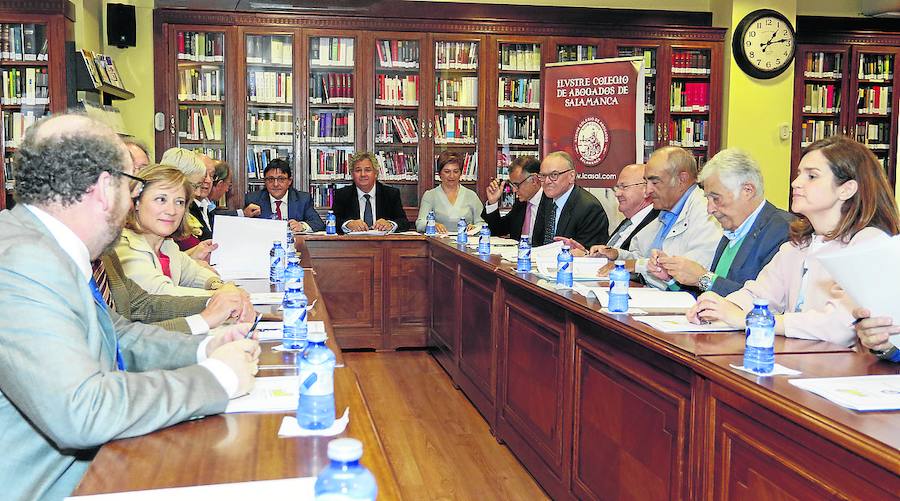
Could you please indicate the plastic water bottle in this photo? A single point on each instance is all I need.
(315, 410)
(430, 229)
(276, 263)
(462, 238)
(330, 223)
(484, 241)
(564, 264)
(293, 272)
(523, 263)
(291, 249)
(759, 354)
(295, 326)
(345, 478)
(618, 288)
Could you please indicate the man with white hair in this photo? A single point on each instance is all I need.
(754, 228)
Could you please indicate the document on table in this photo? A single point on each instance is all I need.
(853, 268)
(644, 298)
(269, 394)
(244, 245)
(680, 323)
(285, 488)
(583, 269)
(379, 233)
(272, 331)
(263, 298)
(861, 393)
(546, 252)
(473, 231)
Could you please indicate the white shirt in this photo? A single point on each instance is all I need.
(635, 221)
(534, 202)
(75, 248)
(284, 205)
(204, 210)
(560, 202)
(360, 195)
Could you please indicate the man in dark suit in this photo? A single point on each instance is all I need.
(524, 181)
(221, 185)
(567, 210)
(282, 201)
(754, 228)
(368, 204)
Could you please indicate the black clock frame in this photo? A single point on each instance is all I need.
(737, 44)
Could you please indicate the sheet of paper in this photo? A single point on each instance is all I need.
(584, 268)
(244, 244)
(680, 323)
(777, 370)
(269, 394)
(272, 331)
(369, 232)
(262, 298)
(504, 242)
(286, 488)
(472, 231)
(861, 393)
(645, 298)
(546, 252)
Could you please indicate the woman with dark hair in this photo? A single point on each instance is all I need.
(451, 200)
(842, 197)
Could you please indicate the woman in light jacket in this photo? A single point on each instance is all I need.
(451, 200)
(843, 199)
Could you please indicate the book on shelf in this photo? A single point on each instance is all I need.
(397, 54)
(331, 127)
(398, 166)
(23, 42)
(649, 56)
(331, 88)
(258, 157)
(323, 194)
(520, 130)
(87, 57)
(520, 57)
(874, 100)
(25, 86)
(391, 128)
(200, 124)
(506, 156)
(456, 55)
(270, 126)
(269, 49)
(397, 90)
(329, 163)
(823, 65)
(331, 51)
(270, 87)
(216, 153)
(567, 53)
(200, 46)
(821, 98)
(689, 97)
(875, 135)
(519, 93)
(689, 132)
(690, 62)
(454, 128)
(15, 123)
(456, 91)
(200, 84)
(812, 130)
(878, 67)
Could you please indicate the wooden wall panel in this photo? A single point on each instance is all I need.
(477, 341)
(408, 295)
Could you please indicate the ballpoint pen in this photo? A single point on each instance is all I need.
(253, 327)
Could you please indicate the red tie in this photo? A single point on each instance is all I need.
(526, 226)
(278, 209)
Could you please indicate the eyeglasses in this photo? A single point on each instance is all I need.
(518, 185)
(140, 183)
(623, 187)
(279, 179)
(552, 176)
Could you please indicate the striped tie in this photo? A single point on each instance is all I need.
(102, 280)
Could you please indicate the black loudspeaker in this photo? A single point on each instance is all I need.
(120, 25)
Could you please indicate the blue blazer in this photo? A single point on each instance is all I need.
(300, 207)
(768, 232)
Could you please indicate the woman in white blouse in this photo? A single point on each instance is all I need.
(449, 201)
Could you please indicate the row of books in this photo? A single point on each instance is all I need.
(258, 157)
(398, 166)
(331, 51)
(876, 67)
(329, 164)
(23, 42)
(519, 93)
(456, 55)
(823, 65)
(469, 167)
(566, 53)
(399, 90)
(689, 96)
(813, 130)
(270, 126)
(874, 100)
(270, 87)
(331, 88)
(102, 69)
(458, 91)
(29, 86)
(689, 132)
(15, 123)
(268, 49)
(506, 156)
(200, 124)
(216, 153)
(323, 194)
(393, 129)
(875, 135)
(822, 98)
(650, 132)
(331, 127)
(201, 84)
(397, 53)
(520, 130)
(649, 56)
(200, 46)
(520, 57)
(454, 128)
(690, 62)
(649, 95)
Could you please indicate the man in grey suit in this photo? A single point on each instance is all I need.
(74, 375)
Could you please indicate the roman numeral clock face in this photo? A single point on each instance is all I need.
(763, 44)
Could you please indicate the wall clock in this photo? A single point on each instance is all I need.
(763, 43)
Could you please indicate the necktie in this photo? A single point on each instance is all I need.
(98, 300)
(526, 225)
(367, 213)
(278, 209)
(102, 280)
(617, 235)
(549, 223)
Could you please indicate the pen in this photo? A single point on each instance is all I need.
(253, 327)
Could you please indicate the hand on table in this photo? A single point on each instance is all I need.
(654, 268)
(241, 356)
(383, 225)
(682, 269)
(711, 307)
(252, 210)
(298, 226)
(610, 253)
(357, 225)
(223, 305)
(874, 332)
(438, 227)
(576, 248)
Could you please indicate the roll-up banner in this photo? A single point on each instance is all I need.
(594, 111)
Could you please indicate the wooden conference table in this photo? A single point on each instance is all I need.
(595, 406)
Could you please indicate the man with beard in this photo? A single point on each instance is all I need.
(74, 374)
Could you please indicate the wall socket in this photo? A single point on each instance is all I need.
(784, 132)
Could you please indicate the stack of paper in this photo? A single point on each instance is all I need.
(583, 268)
(644, 298)
(680, 323)
(262, 298)
(272, 331)
(244, 244)
(861, 393)
(269, 394)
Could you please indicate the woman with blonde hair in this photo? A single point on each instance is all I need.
(146, 250)
(197, 242)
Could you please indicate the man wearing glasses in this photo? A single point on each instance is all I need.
(279, 200)
(567, 210)
(525, 183)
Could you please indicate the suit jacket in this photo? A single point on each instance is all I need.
(300, 207)
(510, 224)
(197, 212)
(141, 264)
(581, 219)
(649, 218)
(387, 205)
(62, 396)
(765, 237)
(138, 305)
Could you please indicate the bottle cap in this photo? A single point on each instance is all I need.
(565, 247)
(620, 262)
(294, 259)
(345, 449)
(293, 285)
(276, 242)
(317, 336)
(760, 301)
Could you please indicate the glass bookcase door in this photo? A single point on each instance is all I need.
(873, 104)
(200, 74)
(397, 129)
(270, 103)
(518, 106)
(821, 110)
(456, 104)
(571, 52)
(651, 120)
(330, 123)
(689, 101)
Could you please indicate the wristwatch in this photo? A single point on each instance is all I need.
(884, 354)
(706, 280)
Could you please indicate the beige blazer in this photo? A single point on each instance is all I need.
(141, 265)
